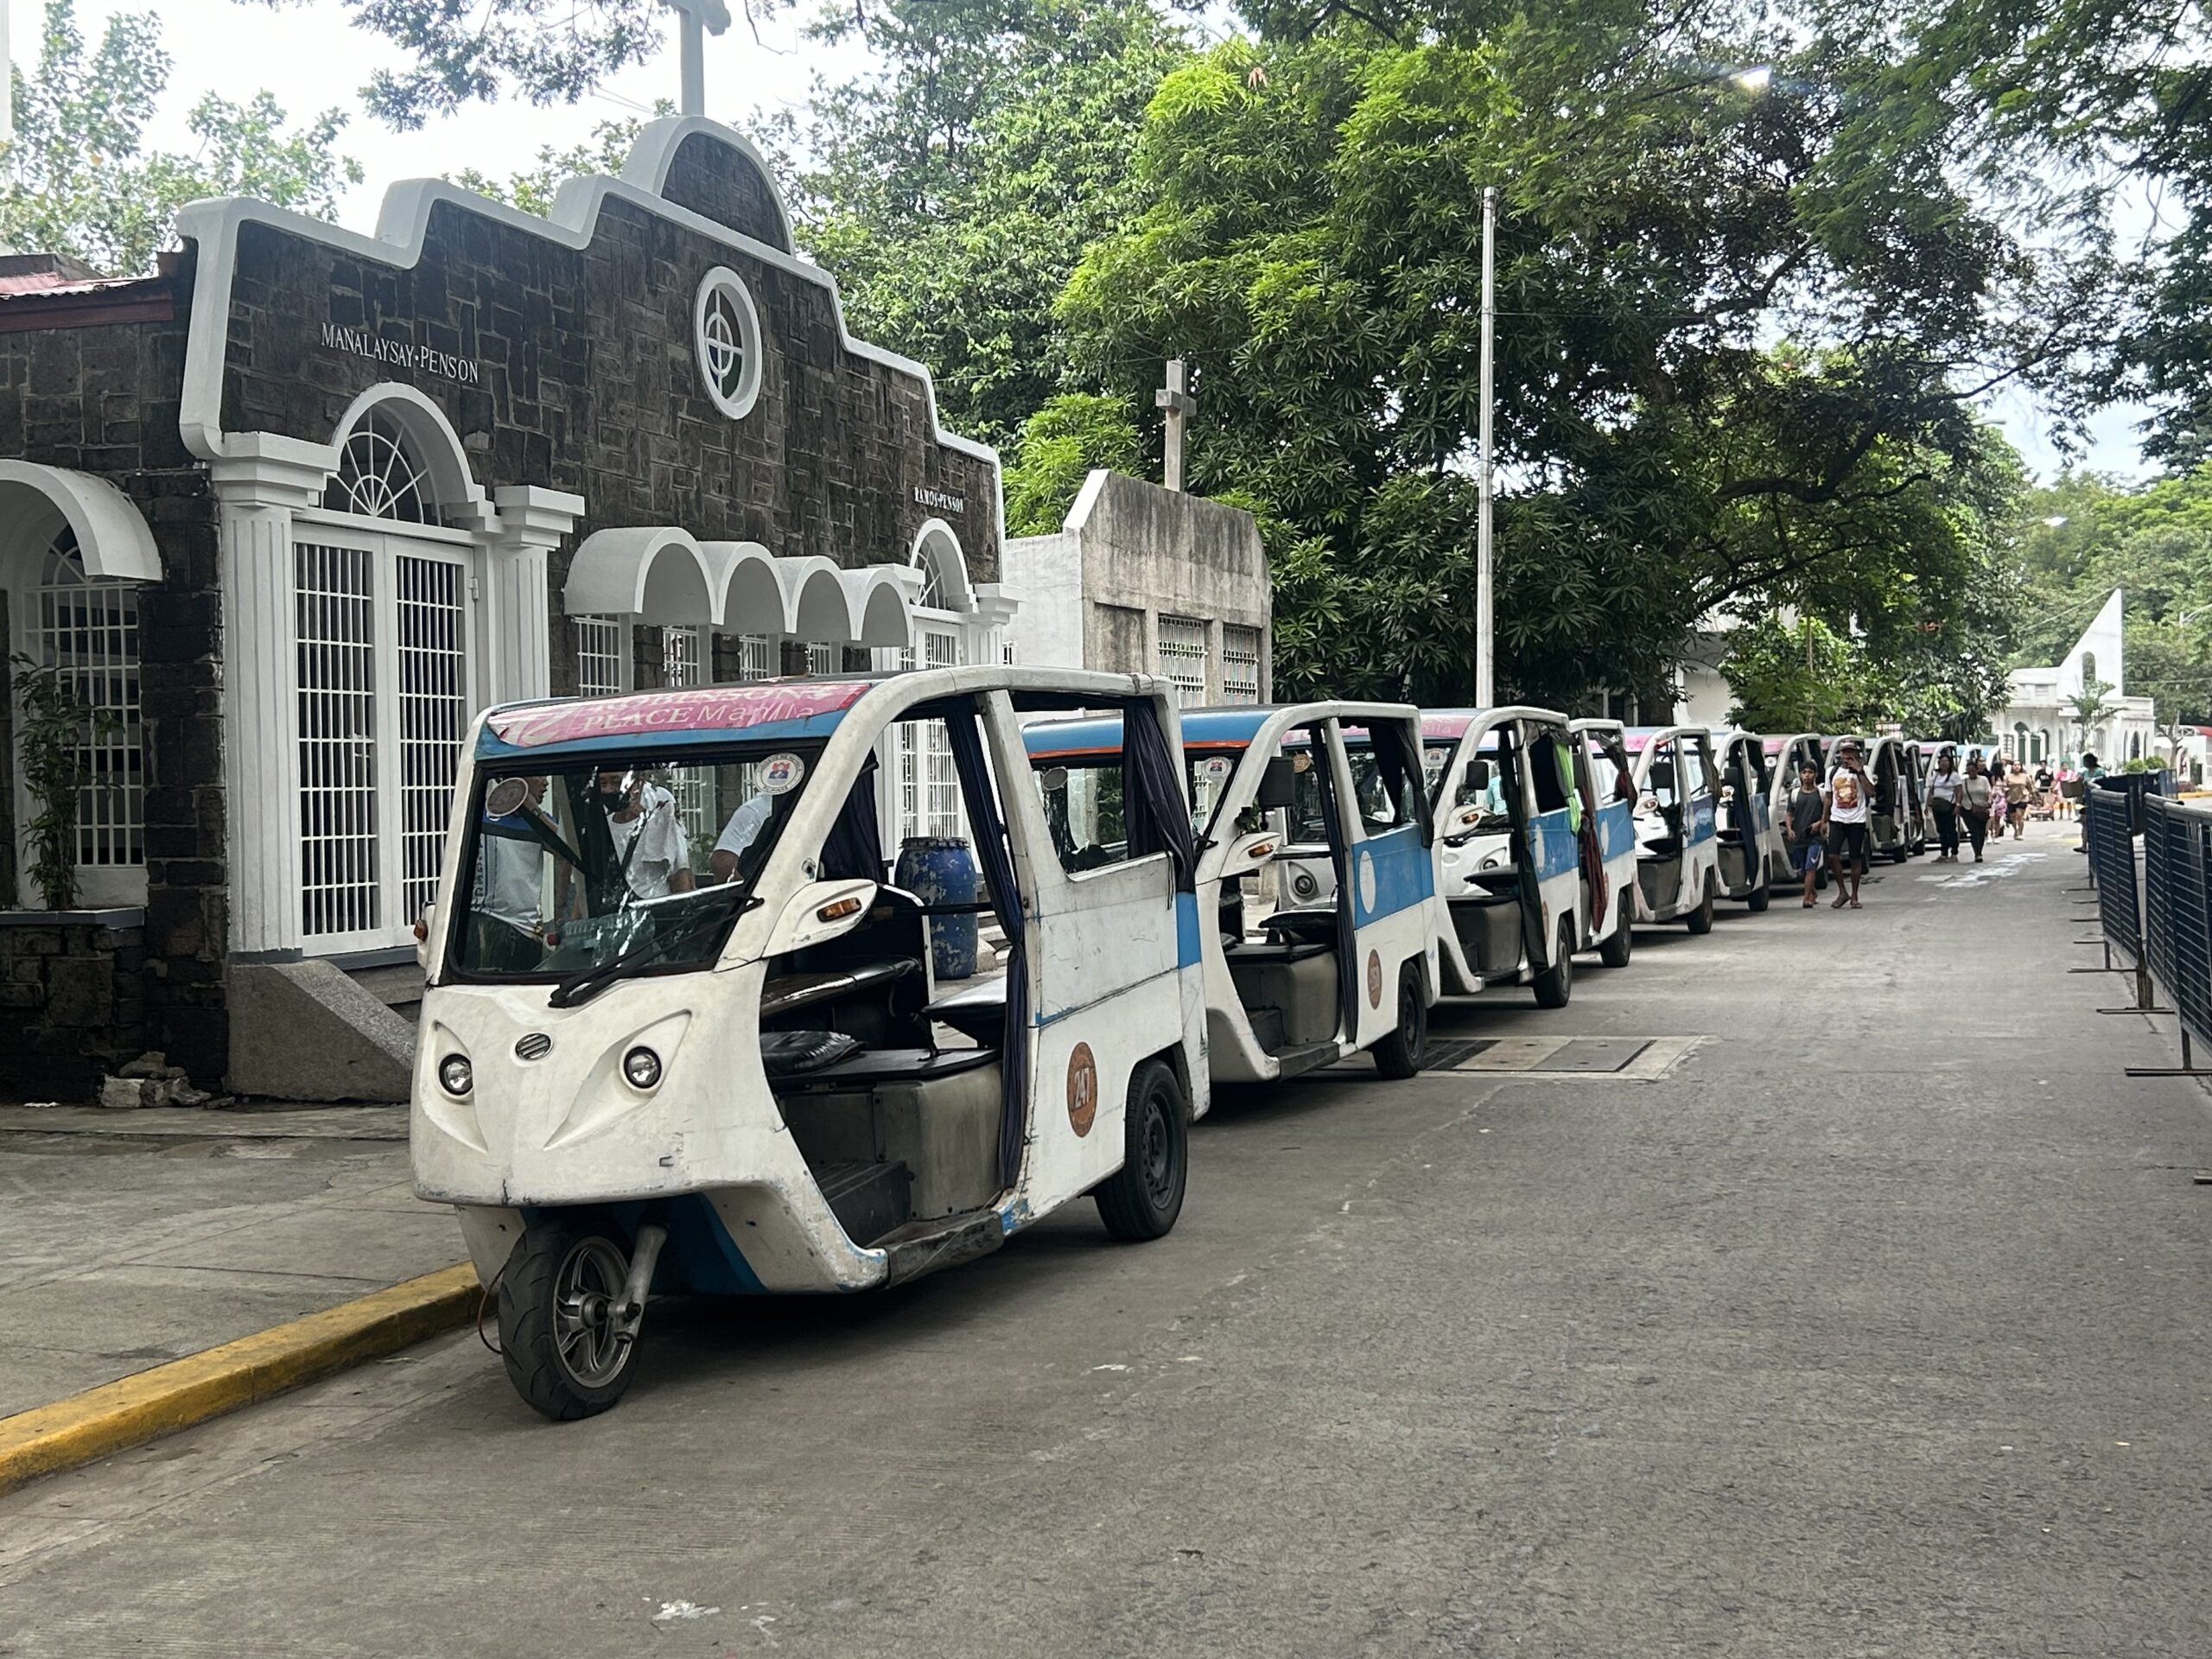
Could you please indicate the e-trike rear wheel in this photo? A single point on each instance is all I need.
(1141, 1199)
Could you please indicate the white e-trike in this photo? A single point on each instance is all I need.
(1676, 832)
(1325, 972)
(679, 1032)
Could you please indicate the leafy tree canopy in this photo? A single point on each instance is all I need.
(77, 178)
(953, 190)
(2082, 536)
(1311, 239)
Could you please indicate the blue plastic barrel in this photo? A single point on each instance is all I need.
(940, 870)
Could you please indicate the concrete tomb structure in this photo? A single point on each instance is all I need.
(297, 506)
(2042, 722)
(1146, 580)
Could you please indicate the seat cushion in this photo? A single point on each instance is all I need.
(793, 1053)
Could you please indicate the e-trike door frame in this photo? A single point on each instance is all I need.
(1742, 761)
(1613, 822)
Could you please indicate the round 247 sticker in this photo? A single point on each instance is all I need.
(1083, 1090)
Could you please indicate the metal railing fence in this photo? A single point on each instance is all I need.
(2105, 829)
(2177, 918)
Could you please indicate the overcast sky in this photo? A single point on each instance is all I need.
(311, 59)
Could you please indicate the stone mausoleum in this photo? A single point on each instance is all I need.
(296, 507)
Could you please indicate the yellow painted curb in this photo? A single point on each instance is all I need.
(136, 1409)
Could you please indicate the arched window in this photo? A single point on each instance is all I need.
(381, 475)
(87, 630)
(2088, 667)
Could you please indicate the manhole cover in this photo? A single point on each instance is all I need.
(1442, 1056)
(1595, 1054)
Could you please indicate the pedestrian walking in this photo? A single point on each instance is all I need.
(1943, 781)
(1847, 792)
(1803, 828)
(1977, 793)
(2018, 787)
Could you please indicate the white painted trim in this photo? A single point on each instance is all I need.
(461, 499)
(953, 571)
(723, 279)
(402, 228)
(113, 542)
(654, 153)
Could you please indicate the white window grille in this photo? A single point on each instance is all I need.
(941, 814)
(339, 873)
(682, 664)
(433, 715)
(756, 657)
(1183, 659)
(380, 476)
(87, 630)
(601, 643)
(679, 656)
(1240, 664)
(932, 597)
(823, 659)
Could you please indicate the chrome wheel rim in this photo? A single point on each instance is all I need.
(586, 1293)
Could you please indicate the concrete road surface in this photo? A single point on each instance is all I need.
(1877, 1326)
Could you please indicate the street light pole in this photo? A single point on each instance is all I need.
(1485, 659)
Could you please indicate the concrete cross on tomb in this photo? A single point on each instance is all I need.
(1175, 398)
(701, 18)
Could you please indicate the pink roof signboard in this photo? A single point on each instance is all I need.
(660, 714)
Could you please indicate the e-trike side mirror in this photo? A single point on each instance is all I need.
(1250, 853)
(819, 912)
(1278, 785)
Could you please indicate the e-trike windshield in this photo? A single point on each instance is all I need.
(646, 856)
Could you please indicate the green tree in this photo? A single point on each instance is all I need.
(1059, 446)
(1800, 678)
(77, 178)
(952, 190)
(1310, 239)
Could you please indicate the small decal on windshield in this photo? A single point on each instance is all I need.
(780, 774)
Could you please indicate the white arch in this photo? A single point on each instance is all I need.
(882, 600)
(755, 598)
(461, 499)
(821, 609)
(935, 541)
(656, 575)
(112, 541)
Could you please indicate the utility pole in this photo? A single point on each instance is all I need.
(700, 19)
(1175, 399)
(1485, 596)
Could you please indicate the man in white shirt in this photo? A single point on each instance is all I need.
(743, 828)
(504, 909)
(649, 846)
(1847, 792)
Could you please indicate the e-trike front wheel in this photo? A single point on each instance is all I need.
(568, 1348)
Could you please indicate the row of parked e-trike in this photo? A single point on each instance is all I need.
(682, 1033)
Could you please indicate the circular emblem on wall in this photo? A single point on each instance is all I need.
(726, 333)
(1083, 1090)
(1367, 882)
(1375, 979)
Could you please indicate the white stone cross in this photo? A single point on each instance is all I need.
(701, 18)
(1176, 399)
